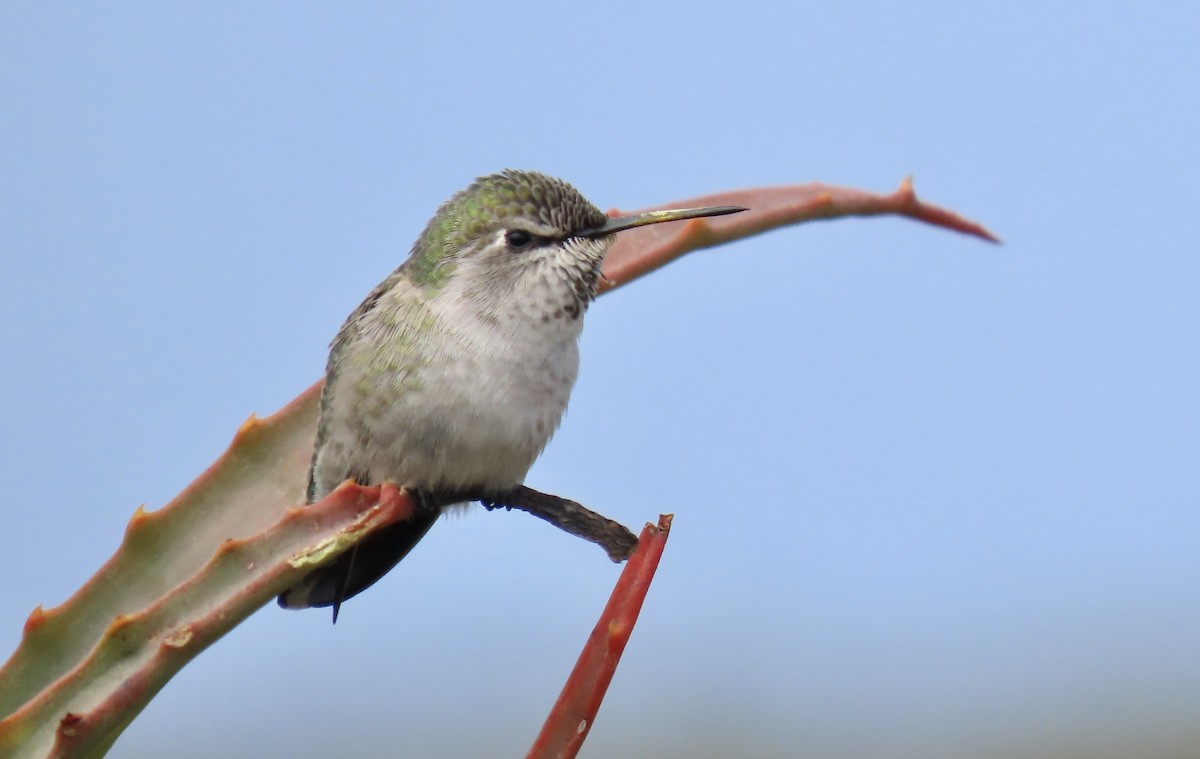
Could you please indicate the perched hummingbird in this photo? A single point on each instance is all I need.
(450, 378)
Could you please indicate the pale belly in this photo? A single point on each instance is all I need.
(459, 419)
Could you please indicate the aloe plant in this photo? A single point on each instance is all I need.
(188, 573)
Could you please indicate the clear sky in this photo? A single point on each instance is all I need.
(933, 498)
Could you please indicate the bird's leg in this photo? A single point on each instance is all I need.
(568, 516)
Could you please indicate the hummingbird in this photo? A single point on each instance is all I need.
(450, 378)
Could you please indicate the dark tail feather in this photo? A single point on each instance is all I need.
(360, 567)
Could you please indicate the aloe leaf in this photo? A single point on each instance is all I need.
(574, 712)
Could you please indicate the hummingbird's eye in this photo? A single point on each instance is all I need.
(518, 239)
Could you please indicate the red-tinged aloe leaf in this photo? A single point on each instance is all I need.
(575, 711)
(263, 469)
(639, 251)
(244, 492)
(83, 712)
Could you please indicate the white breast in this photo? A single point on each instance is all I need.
(470, 404)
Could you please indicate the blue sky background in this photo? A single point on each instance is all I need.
(934, 498)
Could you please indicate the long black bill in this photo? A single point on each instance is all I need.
(620, 223)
